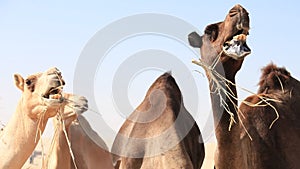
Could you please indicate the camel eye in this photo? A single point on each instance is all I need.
(28, 82)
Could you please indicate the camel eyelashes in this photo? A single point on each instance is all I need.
(30, 84)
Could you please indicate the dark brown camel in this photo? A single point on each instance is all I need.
(223, 45)
(278, 146)
(272, 146)
(162, 132)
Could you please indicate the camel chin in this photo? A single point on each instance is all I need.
(237, 47)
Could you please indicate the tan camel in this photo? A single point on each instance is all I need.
(223, 48)
(59, 154)
(88, 154)
(160, 133)
(40, 100)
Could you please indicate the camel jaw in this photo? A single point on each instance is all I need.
(237, 47)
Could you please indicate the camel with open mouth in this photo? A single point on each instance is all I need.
(223, 49)
(41, 99)
(267, 132)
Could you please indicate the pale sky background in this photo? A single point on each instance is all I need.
(36, 35)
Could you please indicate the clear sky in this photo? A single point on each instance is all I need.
(36, 35)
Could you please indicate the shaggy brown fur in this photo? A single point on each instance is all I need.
(160, 133)
(273, 78)
(278, 147)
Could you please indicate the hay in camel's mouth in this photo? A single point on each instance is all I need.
(236, 46)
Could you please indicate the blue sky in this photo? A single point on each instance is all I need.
(36, 35)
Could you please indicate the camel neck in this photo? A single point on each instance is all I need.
(19, 138)
(220, 100)
(228, 141)
(59, 155)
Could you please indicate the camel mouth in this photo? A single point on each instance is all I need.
(54, 94)
(236, 46)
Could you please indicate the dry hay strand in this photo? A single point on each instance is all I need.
(222, 87)
(38, 134)
(62, 122)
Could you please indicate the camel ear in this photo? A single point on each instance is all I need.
(195, 40)
(19, 81)
(212, 31)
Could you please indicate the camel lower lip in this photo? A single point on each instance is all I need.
(53, 101)
(236, 57)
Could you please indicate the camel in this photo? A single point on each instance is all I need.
(87, 153)
(59, 152)
(260, 138)
(160, 133)
(274, 128)
(40, 100)
(223, 48)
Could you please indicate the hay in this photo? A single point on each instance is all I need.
(59, 117)
(38, 134)
(61, 122)
(219, 81)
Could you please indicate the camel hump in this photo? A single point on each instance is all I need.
(273, 78)
(159, 129)
(167, 85)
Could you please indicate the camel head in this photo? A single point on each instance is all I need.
(76, 105)
(226, 40)
(41, 93)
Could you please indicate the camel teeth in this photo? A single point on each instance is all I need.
(55, 96)
(240, 37)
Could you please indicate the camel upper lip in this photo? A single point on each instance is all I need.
(236, 46)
